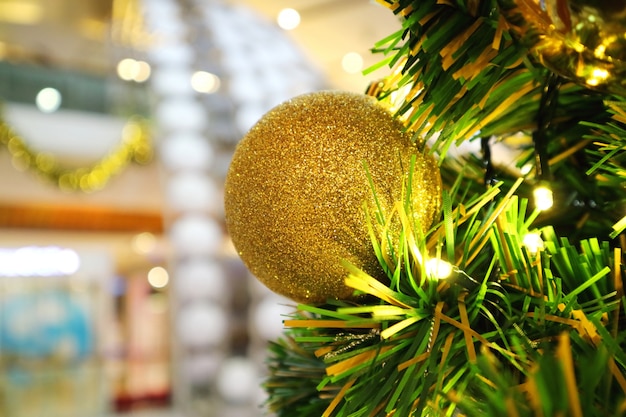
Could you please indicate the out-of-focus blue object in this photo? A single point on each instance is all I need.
(44, 324)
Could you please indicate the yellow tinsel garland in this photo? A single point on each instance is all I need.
(135, 146)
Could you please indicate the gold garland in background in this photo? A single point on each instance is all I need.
(135, 146)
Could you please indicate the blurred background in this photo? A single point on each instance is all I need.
(120, 292)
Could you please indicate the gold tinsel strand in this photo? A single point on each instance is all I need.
(135, 146)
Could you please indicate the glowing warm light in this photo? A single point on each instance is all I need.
(352, 62)
(21, 12)
(127, 68)
(144, 243)
(533, 242)
(142, 72)
(48, 100)
(597, 76)
(524, 170)
(436, 268)
(543, 197)
(35, 261)
(288, 19)
(205, 82)
(158, 277)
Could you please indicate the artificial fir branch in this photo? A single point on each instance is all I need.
(460, 65)
(438, 104)
(516, 330)
(418, 350)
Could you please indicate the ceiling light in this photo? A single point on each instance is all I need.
(205, 82)
(352, 62)
(36, 261)
(48, 100)
(288, 19)
(158, 277)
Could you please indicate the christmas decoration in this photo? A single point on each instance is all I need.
(433, 340)
(581, 40)
(135, 147)
(297, 185)
(507, 306)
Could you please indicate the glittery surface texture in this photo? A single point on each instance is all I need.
(295, 190)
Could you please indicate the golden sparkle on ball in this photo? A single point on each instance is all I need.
(296, 186)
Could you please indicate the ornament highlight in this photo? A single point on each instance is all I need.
(297, 185)
(582, 40)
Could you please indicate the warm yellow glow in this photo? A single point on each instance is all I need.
(45, 162)
(21, 12)
(144, 243)
(352, 62)
(543, 197)
(533, 242)
(288, 19)
(130, 132)
(436, 268)
(143, 72)
(526, 169)
(126, 25)
(597, 76)
(134, 147)
(129, 69)
(600, 51)
(205, 82)
(48, 100)
(158, 277)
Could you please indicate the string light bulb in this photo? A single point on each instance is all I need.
(533, 242)
(598, 76)
(437, 268)
(543, 197)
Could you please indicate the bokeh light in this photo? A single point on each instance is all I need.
(288, 19)
(158, 277)
(205, 82)
(352, 62)
(48, 100)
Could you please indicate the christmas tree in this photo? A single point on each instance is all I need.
(497, 287)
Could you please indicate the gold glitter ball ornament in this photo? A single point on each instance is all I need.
(582, 40)
(297, 183)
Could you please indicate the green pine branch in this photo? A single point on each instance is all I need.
(517, 329)
(465, 70)
(423, 346)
